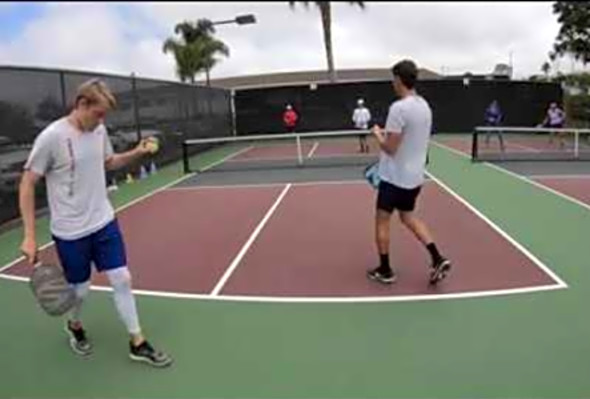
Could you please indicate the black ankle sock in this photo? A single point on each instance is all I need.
(436, 256)
(384, 262)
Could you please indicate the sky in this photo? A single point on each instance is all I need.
(122, 38)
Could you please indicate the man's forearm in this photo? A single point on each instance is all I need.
(27, 207)
(118, 161)
(384, 145)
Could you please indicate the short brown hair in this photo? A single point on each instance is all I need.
(95, 91)
(407, 71)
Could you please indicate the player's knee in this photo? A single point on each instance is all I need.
(405, 218)
(81, 289)
(119, 278)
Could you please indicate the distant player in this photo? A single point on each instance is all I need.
(555, 119)
(493, 118)
(290, 118)
(361, 118)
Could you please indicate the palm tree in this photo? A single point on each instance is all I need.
(186, 63)
(196, 51)
(326, 13)
(211, 48)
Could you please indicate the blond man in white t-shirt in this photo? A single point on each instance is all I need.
(72, 155)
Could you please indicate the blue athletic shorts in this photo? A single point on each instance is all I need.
(105, 249)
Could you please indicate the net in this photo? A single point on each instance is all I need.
(293, 150)
(497, 144)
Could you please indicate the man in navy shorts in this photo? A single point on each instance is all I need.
(72, 154)
(404, 147)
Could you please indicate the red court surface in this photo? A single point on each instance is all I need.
(318, 242)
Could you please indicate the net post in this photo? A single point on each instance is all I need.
(299, 151)
(185, 157)
(576, 143)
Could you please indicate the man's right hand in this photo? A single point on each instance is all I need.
(29, 250)
(377, 132)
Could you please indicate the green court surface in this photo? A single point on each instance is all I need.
(525, 345)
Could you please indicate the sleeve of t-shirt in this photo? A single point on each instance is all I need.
(41, 155)
(108, 146)
(395, 121)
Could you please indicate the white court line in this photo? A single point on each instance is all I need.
(264, 185)
(485, 149)
(525, 147)
(135, 201)
(323, 299)
(558, 177)
(235, 154)
(541, 186)
(521, 177)
(502, 233)
(249, 243)
(315, 147)
(371, 299)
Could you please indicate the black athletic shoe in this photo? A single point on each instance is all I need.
(440, 270)
(144, 352)
(78, 341)
(383, 276)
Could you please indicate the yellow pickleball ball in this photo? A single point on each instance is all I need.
(152, 144)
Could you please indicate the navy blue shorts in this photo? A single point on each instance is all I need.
(105, 249)
(391, 197)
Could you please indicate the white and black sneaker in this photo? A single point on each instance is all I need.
(144, 352)
(78, 340)
(384, 276)
(440, 269)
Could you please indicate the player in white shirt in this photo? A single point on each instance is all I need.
(404, 146)
(72, 155)
(361, 118)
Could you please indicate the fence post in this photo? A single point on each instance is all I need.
(62, 83)
(185, 160)
(232, 110)
(135, 106)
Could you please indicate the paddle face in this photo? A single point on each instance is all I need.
(371, 174)
(51, 290)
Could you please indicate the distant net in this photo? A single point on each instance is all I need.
(293, 150)
(497, 144)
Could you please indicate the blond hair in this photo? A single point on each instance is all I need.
(95, 91)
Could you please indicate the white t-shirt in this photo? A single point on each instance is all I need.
(411, 117)
(361, 117)
(73, 165)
